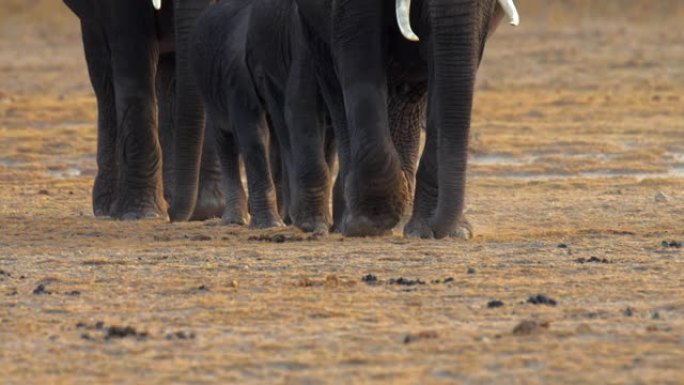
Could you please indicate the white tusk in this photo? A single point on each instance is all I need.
(156, 4)
(403, 8)
(511, 11)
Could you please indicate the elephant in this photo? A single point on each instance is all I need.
(257, 83)
(148, 105)
(366, 68)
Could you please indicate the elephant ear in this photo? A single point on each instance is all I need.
(156, 4)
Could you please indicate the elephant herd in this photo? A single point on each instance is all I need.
(320, 102)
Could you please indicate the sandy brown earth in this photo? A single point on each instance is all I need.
(576, 191)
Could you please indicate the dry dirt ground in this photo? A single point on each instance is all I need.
(576, 191)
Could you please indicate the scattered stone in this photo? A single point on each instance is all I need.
(203, 288)
(40, 289)
(73, 293)
(671, 244)
(628, 311)
(592, 259)
(405, 282)
(12, 292)
(87, 337)
(449, 280)
(426, 335)
(43, 192)
(99, 325)
(277, 238)
(494, 304)
(5, 273)
(180, 335)
(661, 197)
(470, 270)
(541, 299)
(370, 279)
(234, 284)
(562, 246)
(528, 327)
(655, 314)
(123, 332)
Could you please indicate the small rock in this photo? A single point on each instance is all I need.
(43, 192)
(628, 311)
(671, 244)
(470, 270)
(40, 289)
(123, 332)
(370, 279)
(655, 314)
(203, 288)
(405, 282)
(73, 293)
(234, 284)
(661, 197)
(541, 299)
(494, 304)
(562, 246)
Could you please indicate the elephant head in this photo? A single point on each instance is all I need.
(403, 9)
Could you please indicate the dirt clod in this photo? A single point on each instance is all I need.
(592, 259)
(426, 335)
(40, 290)
(370, 279)
(115, 332)
(671, 244)
(405, 282)
(494, 304)
(541, 299)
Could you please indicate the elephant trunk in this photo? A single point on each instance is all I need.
(189, 115)
(456, 46)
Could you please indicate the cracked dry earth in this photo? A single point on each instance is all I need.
(575, 275)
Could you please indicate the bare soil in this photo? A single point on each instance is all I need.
(575, 275)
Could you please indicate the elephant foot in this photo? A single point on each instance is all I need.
(363, 226)
(315, 225)
(235, 215)
(265, 221)
(210, 202)
(420, 228)
(103, 197)
(377, 209)
(136, 206)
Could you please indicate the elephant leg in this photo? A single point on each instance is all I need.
(101, 76)
(252, 133)
(210, 200)
(308, 171)
(376, 189)
(280, 179)
(165, 85)
(332, 94)
(235, 211)
(135, 54)
(406, 109)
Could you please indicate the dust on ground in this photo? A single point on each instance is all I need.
(576, 273)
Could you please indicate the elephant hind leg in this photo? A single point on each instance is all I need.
(252, 135)
(235, 208)
(210, 197)
(101, 77)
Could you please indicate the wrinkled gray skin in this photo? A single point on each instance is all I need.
(251, 68)
(366, 65)
(138, 66)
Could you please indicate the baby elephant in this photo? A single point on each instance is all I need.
(262, 103)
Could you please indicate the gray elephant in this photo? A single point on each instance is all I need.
(138, 56)
(369, 68)
(252, 68)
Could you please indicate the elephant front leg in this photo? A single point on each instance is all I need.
(134, 57)
(210, 200)
(101, 78)
(235, 211)
(308, 166)
(376, 189)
